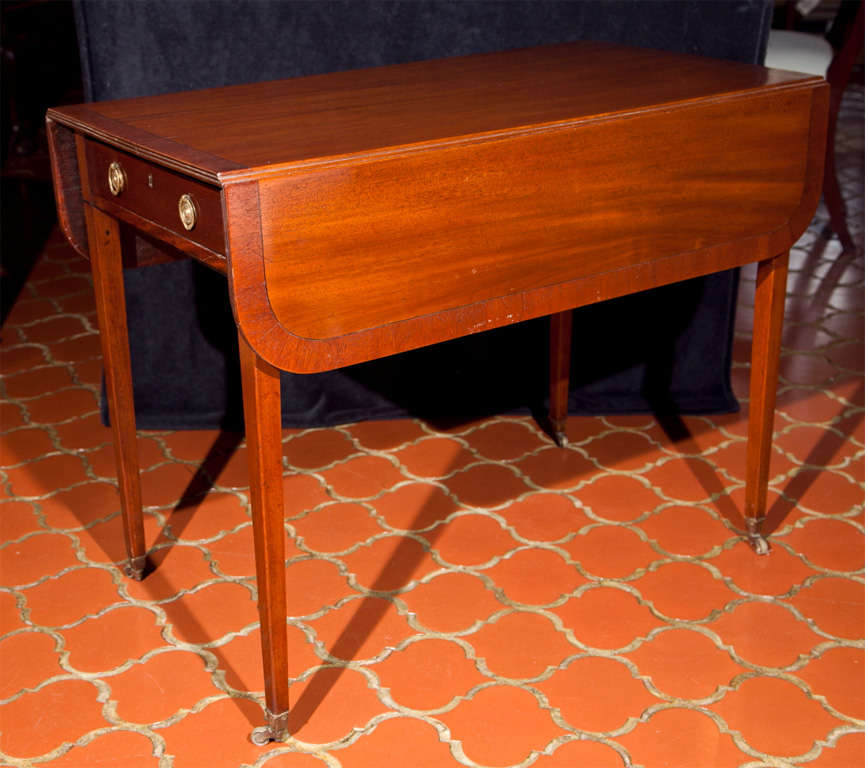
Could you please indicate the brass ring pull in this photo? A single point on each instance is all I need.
(116, 178)
(188, 211)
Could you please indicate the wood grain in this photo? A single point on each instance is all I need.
(266, 126)
(261, 410)
(765, 351)
(561, 326)
(106, 263)
(67, 184)
(356, 261)
(356, 247)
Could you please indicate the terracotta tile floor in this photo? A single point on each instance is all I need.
(474, 597)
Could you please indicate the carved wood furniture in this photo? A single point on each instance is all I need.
(364, 213)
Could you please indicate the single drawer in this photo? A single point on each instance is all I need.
(185, 206)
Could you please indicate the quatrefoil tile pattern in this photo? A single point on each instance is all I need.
(472, 596)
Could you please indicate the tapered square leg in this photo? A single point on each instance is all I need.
(106, 264)
(262, 414)
(560, 368)
(765, 353)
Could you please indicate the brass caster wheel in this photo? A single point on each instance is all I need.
(260, 736)
(759, 544)
(275, 730)
(756, 539)
(134, 569)
(561, 439)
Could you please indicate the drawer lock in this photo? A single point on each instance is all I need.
(188, 211)
(116, 178)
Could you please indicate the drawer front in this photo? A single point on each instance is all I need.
(154, 193)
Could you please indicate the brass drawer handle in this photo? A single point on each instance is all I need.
(188, 211)
(116, 178)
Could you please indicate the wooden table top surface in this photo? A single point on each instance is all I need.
(369, 212)
(255, 130)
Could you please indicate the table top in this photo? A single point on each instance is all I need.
(223, 133)
(363, 213)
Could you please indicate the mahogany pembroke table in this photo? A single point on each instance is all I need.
(364, 213)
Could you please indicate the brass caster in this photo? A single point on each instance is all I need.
(275, 730)
(134, 568)
(260, 736)
(756, 539)
(759, 544)
(555, 428)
